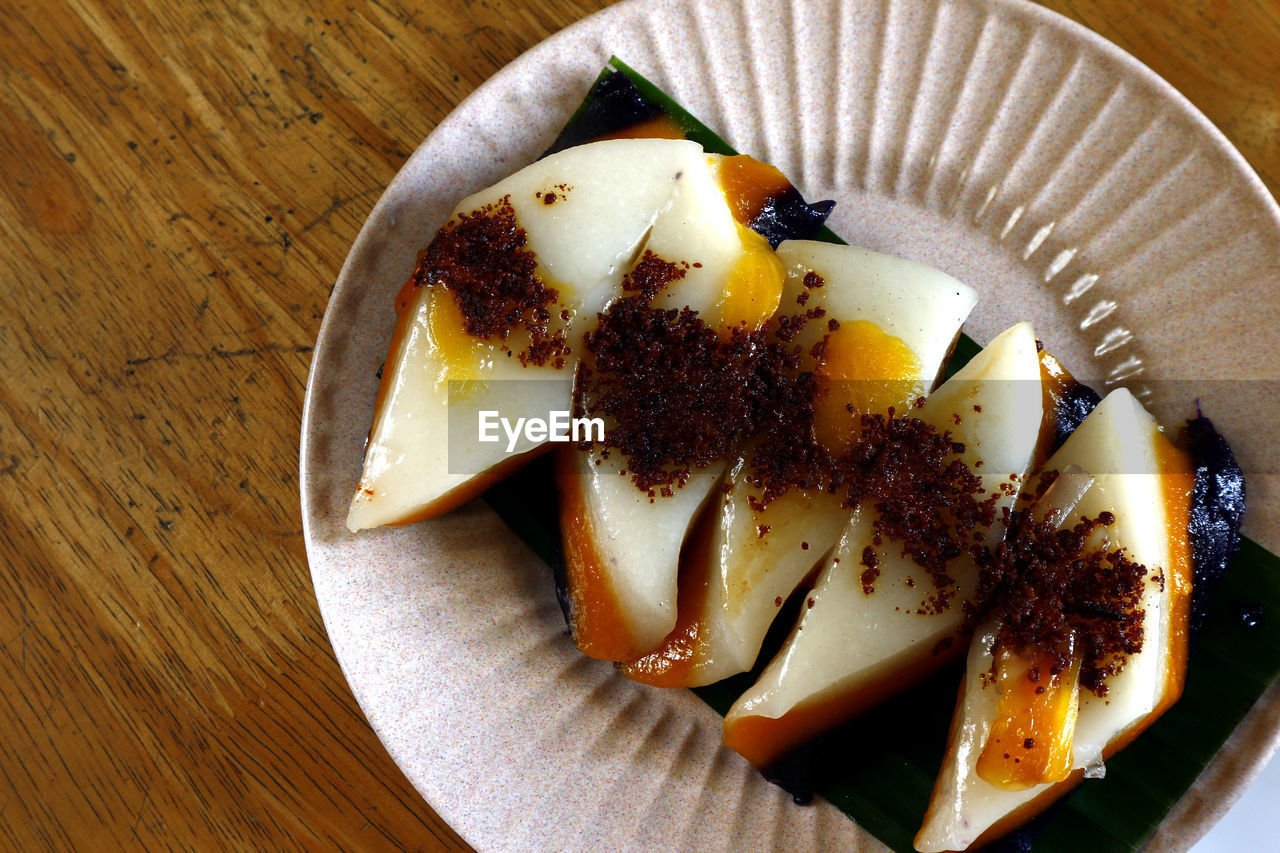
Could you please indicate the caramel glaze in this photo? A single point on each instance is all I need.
(765, 740)
(1030, 740)
(749, 185)
(658, 127)
(673, 662)
(1178, 482)
(599, 627)
(1067, 402)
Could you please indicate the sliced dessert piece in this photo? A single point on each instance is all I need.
(762, 197)
(667, 368)
(884, 326)
(506, 291)
(1139, 502)
(886, 608)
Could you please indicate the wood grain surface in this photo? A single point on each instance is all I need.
(179, 183)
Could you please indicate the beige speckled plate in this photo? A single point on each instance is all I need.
(995, 140)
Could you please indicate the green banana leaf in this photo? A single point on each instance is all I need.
(886, 760)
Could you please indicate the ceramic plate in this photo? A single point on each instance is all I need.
(994, 140)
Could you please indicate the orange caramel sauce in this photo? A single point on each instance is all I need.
(753, 290)
(1040, 713)
(596, 619)
(672, 663)
(763, 740)
(1178, 480)
(460, 354)
(658, 127)
(863, 369)
(749, 184)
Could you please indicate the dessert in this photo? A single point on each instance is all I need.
(876, 621)
(1106, 661)
(753, 557)
(673, 348)
(631, 509)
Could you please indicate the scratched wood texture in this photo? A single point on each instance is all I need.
(179, 183)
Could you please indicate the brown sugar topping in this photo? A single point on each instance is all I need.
(672, 389)
(871, 572)
(927, 500)
(1060, 593)
(678, 394)
(669, 386)
(551, 196)
(483, 259)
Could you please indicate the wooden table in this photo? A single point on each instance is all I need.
(179, 184)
